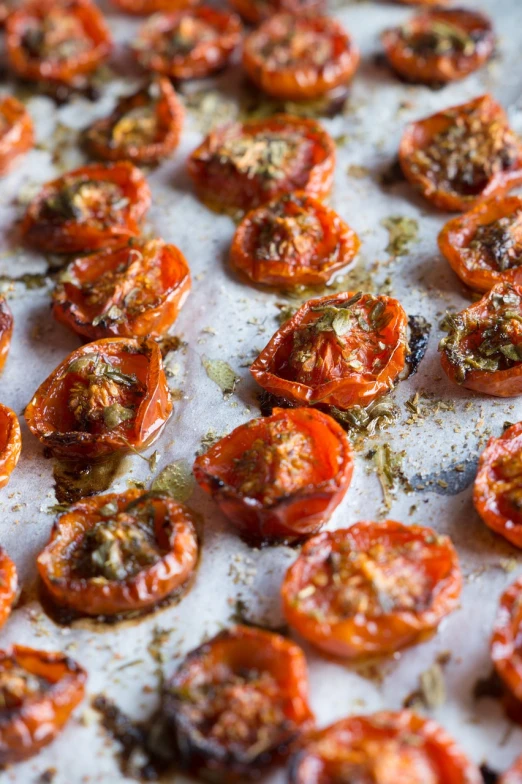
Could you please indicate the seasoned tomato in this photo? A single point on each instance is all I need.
(238, 703)
(16, 132)
(513, 775)
(108, 396)
(506, 652)
(296, 58)
(343, 350)
(10, 443)
(255, 11)
(146, 7)
(385, 748)
(6, 330)
(118, 553)
(241, 166)
(8, 587)
(484, 246)
(136, 291)
(38, 692)
(56, 40)
(188, 44)
(293, 240)
(143, 128)
(440, 46)
(483, 348)
(462, 155)
(279, 477)
(371, 589)
(94, 207)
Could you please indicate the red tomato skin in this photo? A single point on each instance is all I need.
(6, 330)
(19, 138)
(8, 586)
(10, 443)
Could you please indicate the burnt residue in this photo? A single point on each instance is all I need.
(267, 403)
(169, 343)
(452, 480)
(392, 175)
(419, 336)
(489, 776)
(76, 479)
(490, 687)
(254, 104)
(243, 616)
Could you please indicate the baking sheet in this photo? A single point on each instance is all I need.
(226, 319)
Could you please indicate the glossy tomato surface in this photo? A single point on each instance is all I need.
(10, 443)
(16, 132)
(8, 586)
(6, 330)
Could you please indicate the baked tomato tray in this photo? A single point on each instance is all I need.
(260, 409)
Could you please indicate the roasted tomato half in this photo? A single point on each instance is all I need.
(146, 7)
(238, 703)
(440, 46)
(241, 166)
(462, 155)
(189, 44)
(484, 246)
(483, 348)
(6, 330)
(340, 351)
(371, 589)
(94, 207)
(388, 748)
(293, 240)
(38, 692)
(255, 11)
(10, 443)
(56, 40)
(506, 652)
(8, 589)
(136, 291)
(16, 132)
(108, 396)
(296, 58)
(279, 477)
(143, 128)
(513, 775)
(118, 553)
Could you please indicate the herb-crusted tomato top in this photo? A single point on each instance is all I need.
(241, 166)
(294, 58)
(483, 348)
(16, 132)
(372, 588)
(255, 11)
(10, 443)
(340, 351)
(462, 155)
(8, 586)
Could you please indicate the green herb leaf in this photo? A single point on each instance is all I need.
(175, 480)
(221, 374)
(402, 233)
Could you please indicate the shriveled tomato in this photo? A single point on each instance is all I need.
(143, 128)
(514, 774)
(293, 240)
(371, 589)
(385, 748)
(254, 11)
(279, 477)
(38, 692)
(238, 703)
(188, 44)
(483, 348)
(8, 586)
(16, 132)
(440, 46)
(343, 350)
(462, 155)
(6, 330)
(240, 166)
(506, 652)
(136, 291)
(57, 40)
(93, 207)
(146, 7)
(299, 57)
(484, 246)
(10, 443)
(119, 553)
(107, 396)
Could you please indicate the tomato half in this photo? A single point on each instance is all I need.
(8, 586)
(299, 57)
(146, 7)
(483, 348)
(505, 643)
(279, 477)
(240, 166)
(440, 46)
(462, 155)
(497, 494)
(38, 692)
(513, 775)
(10, 443)
(136, 291)
(143, 128)
(108, 396)
(238, 703)
(56, 40)
(371, 589)
(343, 350)
(255, 11)
(6, 330)
(293, 240)
(16, 132)
(388, 748)
(188, 44)
(93, 207)
(119, 553)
